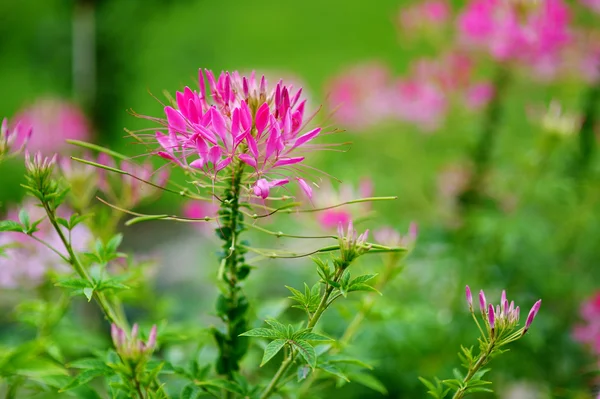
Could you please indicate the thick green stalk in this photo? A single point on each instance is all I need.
(232, 304)
(483, 359)
(289, 359)
(482, 153)
(104, 304)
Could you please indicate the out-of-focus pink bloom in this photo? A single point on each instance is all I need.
(420, 103)
(125, 189)
(53, 121)
(588, 332)
(25, 261)
(424, 16)
(452, 181)
(529, 32)
(196, 209)
(392, 238)
(593, 5)
(581, 59)
(242, 121)
(329, 196)
(359, 95)
(479, 95)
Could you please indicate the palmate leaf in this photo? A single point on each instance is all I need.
(307, 335)
(272, 349)
(333, 369)
(263, 333)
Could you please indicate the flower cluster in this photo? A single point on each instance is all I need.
(424, 16)
(588, 332)
(501, 320)
(352, 245)
(13, 141)
(242, 122)
(131, 347)
(532, 32)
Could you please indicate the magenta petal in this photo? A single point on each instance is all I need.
(176, 120)
(214, 154)
(223, 164)
(305, 187)
(305, 138)
(262, 118)
(247, 159)
(288, 161)
(252, 145)
(219, 124)
(278, 182)
(261, 188)
(198, 163)
(164, 141)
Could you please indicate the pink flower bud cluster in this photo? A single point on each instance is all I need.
(504, 316)
(351, 243)
(10, 137)
(131, 347)
(241, 121)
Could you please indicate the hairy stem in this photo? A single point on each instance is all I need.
(100, 298)
(483, 359)
(232, 304)
(289, 359)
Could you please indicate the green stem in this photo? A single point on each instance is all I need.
(289, 359)
(482, 154)
(483, 359)
(232, 304)
(82, 272)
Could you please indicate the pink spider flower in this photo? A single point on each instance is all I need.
(53, 121)
(242, 121)
(131, 346)
(392, 238)
(328, 196)
(419, 102)
(588, 331)
(25, 262)
(424, 16)
(532, 32)
(359, 96)
(196, 209)
(593, 5)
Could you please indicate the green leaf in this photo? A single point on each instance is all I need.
(24, 218)
(88, 292)
(272, 349)
(362, 287)
(368, 381)
(73, 283)
(10, 225)
(363, 279)
(277, 326)
(223, 384)
(63, 222)
(98, 148)
(147, 218)
(114, 243)
(311, 336)
(263, 333)
(307, 351)
(83, 378)
(88, 363)
(190, 391)
(333, 369)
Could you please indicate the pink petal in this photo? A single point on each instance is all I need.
(288, 161)
(305, 187)
(198, 163)
(176, 120)
(262, 118)
(305, 138)
(247, 159)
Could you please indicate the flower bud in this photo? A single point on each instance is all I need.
(491, 316)
(532, 313)
(482, 302)
(469, 298)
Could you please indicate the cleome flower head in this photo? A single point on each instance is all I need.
(502, 320)
(9, 139)
(131, 347)
(240, 125)
(352, 245)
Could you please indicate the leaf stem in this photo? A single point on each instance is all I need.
(483, 359)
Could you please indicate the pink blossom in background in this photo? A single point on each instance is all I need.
(582, 59)
(327, 196)
(392, 238)
(359, 96)
(53, 121)
(479, 95)
(593, 5)
(196, 209)
(512, 31)
(242, 120)
(25, 261)
(588, 332)
(420, 103)
(431, 14)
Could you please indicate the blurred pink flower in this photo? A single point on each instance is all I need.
(196, 209)
(359, 95)
(533, 33)
(419, 102)
(588, 332)
(479, 95)
(392, 238)
(582, 58)
(593, 5)
(429, 14)
(24, 261)
(52, 121)
(327, 196)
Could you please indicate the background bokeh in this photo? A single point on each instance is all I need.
(537, 237)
